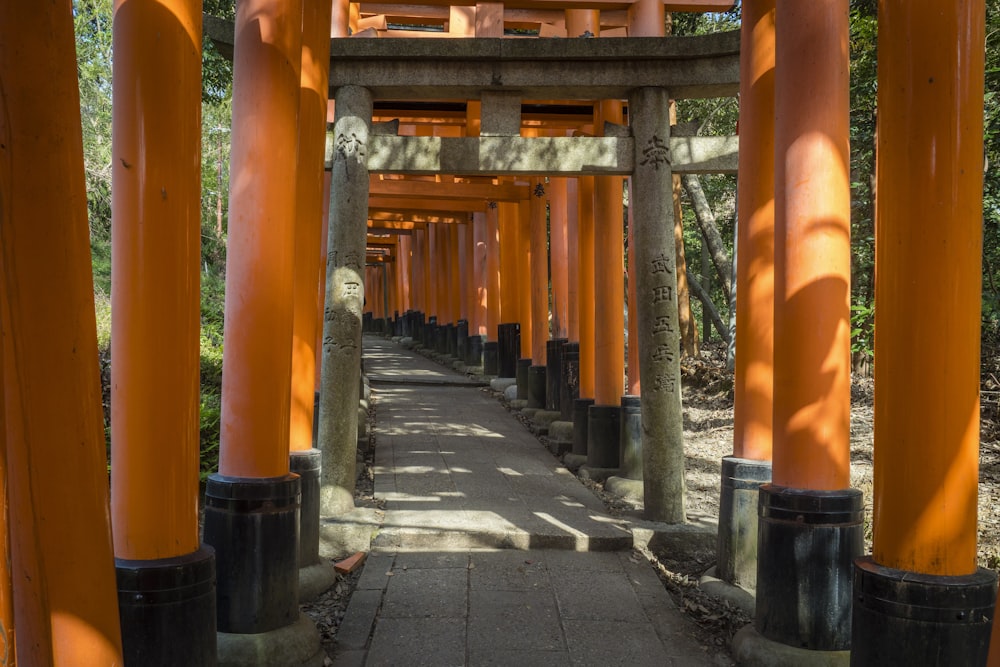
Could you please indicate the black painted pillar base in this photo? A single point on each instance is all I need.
(307, 465)
(630, 438)
(907, 618)
(807, 543)
(452, 348)
(581, 421)
(569, 379)
(509, 342)
(167, 610)
(603, 436)
(522, 378)
(536, 387)
(462, 340)
(737, 545)
(253, 524)
(474, 351)
(553, 373)
(490, 365)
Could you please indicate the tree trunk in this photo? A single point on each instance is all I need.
(708, 307)
(689, 328)
(706, 221)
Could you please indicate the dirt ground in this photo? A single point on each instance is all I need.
(708, 437)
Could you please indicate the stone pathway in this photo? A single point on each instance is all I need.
(492, 553)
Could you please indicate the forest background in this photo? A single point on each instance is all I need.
(708, 216)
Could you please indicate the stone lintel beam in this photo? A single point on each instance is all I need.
(444, 205)
(691, 67)
(505, 156)
(480, 191)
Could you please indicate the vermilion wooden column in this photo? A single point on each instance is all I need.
(609, 277)
(64, 603)
(523, 258)
(456, 283)
(6, 588)
(510, 299)
(253, 452)
(156, 256)
(480, 293)
(573, 263)
(585, 289)
(493, 291)
(539, 272)
(812, 331)
(559, 239)
(928, 214)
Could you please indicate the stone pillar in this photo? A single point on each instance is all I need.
(338, 415)
(156, 253)
(64, 603)
(656, 308)
(929, 212)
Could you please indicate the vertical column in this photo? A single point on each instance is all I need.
(156, 255)
(559, 234)
(338, 416)
(572, 259)
(480, 293)
(585, 284)
(494, 294)
(64, 603)
(656, 308)
(305, 459)
(6, 547)
(753, 385)
(929, 213)
(539, 293)
(603, 433)
(523, 257)
(257, 553)
(810, 520)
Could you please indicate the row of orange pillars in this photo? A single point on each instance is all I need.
(82, 585)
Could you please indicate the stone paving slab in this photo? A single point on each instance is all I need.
(491, 553)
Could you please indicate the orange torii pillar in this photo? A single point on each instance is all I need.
(508, 332)
(559, 261)
(252, 503)
(480, 291)
(585, 316)
(305, 458)
(495, 295)
(455, 285)
(341, 378)
(603, 418)
(525, 247)
(156, 255)
(753, 385)
(539, 290)
(810, 527)
(928, 214)
(61, 561)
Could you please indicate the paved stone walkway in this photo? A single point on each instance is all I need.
(491, 552)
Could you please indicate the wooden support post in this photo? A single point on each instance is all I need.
(510, 299)
(928, 214)
(812, 330)
(64, 602)
(523, 258)
(609, 287)
(750, 465)
(559, 235)
(156, 258)
(338, 414)
(585, 290)
(539, 272)
(572, 259)
(457, 281)
(633, 386)
(493, 292)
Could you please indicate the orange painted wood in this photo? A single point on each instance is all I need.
(609, 279)
(539, 272)
(647, 18)
(582, 21)
(585, 290)
(351, 563)
(493, 293)
(340, 21)
(928, 215)
(633, 384)
(558, 248)
(812, 247)
(523, 257)
(510, 308)
(572, 259)
(313, 95)
(753, 386)
(6, 588)
(256, 364)
(321, 277)
(65, 601)
(156, 259)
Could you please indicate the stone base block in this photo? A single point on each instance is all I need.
(750, 649)
(574, 461)
(561, 431)
(406, 343)
(696, 536)
(295, 645)
(510, 393)
(625, 487)
(543, 418)
(528, 412)
(501, 384)
(736, 596)
(314, 580)
(595, 473)
(349, 532)
(518, 404)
